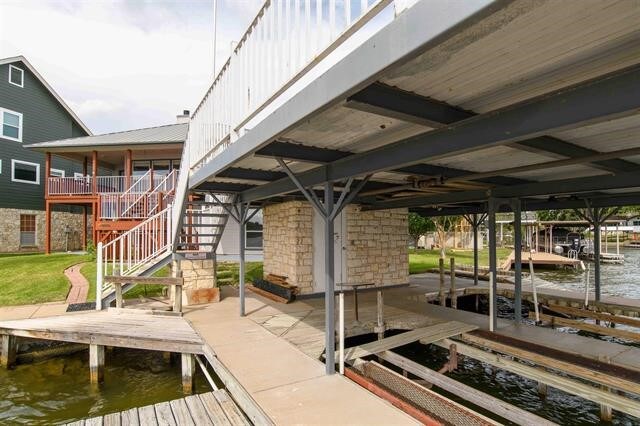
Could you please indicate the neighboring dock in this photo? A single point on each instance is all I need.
(541, 259)
(211, 408)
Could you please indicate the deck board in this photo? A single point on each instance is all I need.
(111, 328)
(211, 408)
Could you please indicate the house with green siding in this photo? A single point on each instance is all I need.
(30, 112)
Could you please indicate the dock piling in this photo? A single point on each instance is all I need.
(442, 295)
(96, 364)
(188, 372)
(453, 295)
(8, 351)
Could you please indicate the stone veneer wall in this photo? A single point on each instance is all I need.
(288, 242)
(200, 283)
(377, 249)
(10, 230)
(377, 246)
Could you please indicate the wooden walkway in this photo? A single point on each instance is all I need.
(212, 408)
(540, 258)
(124, 328)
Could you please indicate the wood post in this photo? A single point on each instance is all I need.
(443, 296)
(94, 171)
(118, 288)
(96, 364)
(188, 372)
(177, 290)
(542, 390)
(84, 227)
(380, 311)
(8, 351)
(606, 414)
(453, 295)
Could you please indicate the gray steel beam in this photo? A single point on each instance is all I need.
(251, 174)
(223, 187)
(614, 95)
(493, 267)
(563, 186)
(595, 216)
(242, 214)
(392, 102)
(600, 200)
(312, 154)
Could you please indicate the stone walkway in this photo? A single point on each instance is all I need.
(79, 285)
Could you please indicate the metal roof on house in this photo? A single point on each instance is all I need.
(167, 134)
(22, 59)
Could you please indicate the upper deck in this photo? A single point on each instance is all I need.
(443, 105)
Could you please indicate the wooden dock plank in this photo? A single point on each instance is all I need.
(425, 335)
(147, 415)
(94, 421)
(112, 419)
(181, 412)
(76, 423)
(214, 410)
(130, 417)
(197, 410)
(164, 415)
(230, 408)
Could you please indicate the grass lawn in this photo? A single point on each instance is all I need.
(89, 272)
(35, 278)
(423, 260)
(229, 272)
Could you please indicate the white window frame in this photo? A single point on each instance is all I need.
(2, 111)
(0, 166)
(11, 69)
(28, 163)
(59, 171)
(78, 175)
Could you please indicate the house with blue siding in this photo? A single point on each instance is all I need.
(30, 112)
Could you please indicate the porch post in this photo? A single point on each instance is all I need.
(329, 295)
(84, 227)
(94, 171)
(517, 246)
(47, 206)
(127, 168)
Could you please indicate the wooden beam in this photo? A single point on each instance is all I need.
(565, 384)
(593, 328)
(603, 316)
(47, 227)
(96, 364)
(8, 351)
(124, 279)
(425, 335)
(481, 399)
(94, 171)
(572, 368)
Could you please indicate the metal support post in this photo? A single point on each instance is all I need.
(329, 297)
(493, 267)
(596, 250)
(476, 225)
(517, 234)
(242, 213)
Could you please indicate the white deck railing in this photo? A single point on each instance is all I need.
(133, 251)
(80, 185)
(285, 40)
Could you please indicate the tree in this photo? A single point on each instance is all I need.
(418, 226)
(444, 224)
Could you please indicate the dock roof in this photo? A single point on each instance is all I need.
(447, 106)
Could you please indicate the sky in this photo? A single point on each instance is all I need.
(124, 64)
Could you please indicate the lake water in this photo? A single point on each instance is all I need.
(58, 390)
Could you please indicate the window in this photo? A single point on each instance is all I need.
(77, 175)
(11, 124)
(56, 173)
(27, 230)
(16, 76)
(25, 172)
(254, 232)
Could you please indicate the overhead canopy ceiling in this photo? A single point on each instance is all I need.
(538, 100)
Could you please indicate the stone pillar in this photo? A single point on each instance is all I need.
(200, 284)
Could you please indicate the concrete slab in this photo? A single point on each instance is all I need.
(32, 311)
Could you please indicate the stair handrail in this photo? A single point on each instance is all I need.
(133, 185)
(150, 208)
(136, 247)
